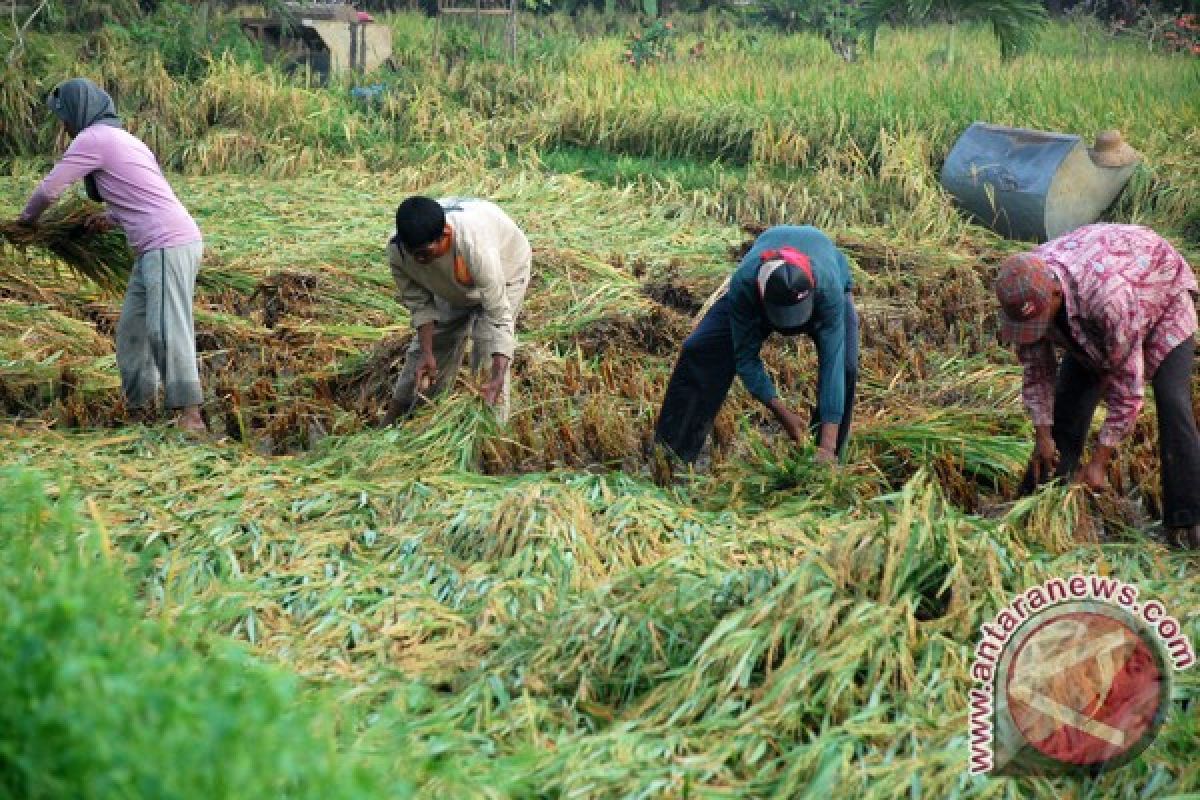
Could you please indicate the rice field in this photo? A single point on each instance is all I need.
(541, 610)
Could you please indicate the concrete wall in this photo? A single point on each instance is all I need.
(378, 46)
(375, 44)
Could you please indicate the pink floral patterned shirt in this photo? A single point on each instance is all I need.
(1130, 300)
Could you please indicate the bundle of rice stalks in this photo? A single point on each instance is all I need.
(966, 451)
(1061, 517)
(102, 258)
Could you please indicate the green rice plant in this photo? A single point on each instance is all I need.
(49, 360)
(611, 647)
(960, 446)
(1057, 517)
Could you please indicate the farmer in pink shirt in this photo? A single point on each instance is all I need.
(1120, 302)
(156, 343)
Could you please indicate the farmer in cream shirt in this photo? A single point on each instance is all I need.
(461, 268)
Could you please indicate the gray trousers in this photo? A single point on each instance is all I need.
(156, 340)
(450, 335)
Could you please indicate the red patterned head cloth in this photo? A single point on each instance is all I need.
(1025, 288)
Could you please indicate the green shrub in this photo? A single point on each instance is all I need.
(650, 45)
(97, 702)
(189, 39)
(84, 15)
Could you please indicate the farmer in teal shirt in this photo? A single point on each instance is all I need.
(794, 280)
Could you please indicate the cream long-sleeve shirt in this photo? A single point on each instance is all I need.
(493, 252)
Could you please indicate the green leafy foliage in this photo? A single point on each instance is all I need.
(838, 21)
(188, 39)
(84, 15)
(653, 44)
(1015, 23)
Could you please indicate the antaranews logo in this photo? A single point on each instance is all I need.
(1072, 677)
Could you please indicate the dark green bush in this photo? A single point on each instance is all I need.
(84, 15)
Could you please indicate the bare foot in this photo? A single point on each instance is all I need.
(190, 421)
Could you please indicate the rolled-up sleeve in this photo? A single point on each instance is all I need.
(81, 159)
(1039, 366)
(746, 326)
(488, 274)
(829, 336)
(413, 296)
(1125, 385)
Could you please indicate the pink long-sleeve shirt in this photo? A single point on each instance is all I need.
(138, 197)
(1130, 300)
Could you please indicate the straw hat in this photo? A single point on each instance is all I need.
(1113, 151)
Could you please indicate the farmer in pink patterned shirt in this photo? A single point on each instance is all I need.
(156, 344)
(1120, 301)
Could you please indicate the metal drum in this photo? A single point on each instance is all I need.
(1035, 185)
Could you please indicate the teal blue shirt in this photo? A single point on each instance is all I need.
(827, 327)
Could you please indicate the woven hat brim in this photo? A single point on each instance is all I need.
(1120, 156)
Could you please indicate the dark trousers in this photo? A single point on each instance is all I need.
(1076, 395)
(704, 373)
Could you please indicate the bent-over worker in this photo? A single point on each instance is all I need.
(1119, 301)
(156, 341)
(461, 268)
(793, 280)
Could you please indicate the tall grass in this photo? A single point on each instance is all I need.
(810, 128)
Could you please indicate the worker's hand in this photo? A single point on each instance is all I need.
(1093, 476)
(793, 425)
(790, 421)
(427, 371)
(97, 224)
(493, 390)
(1045, 455)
